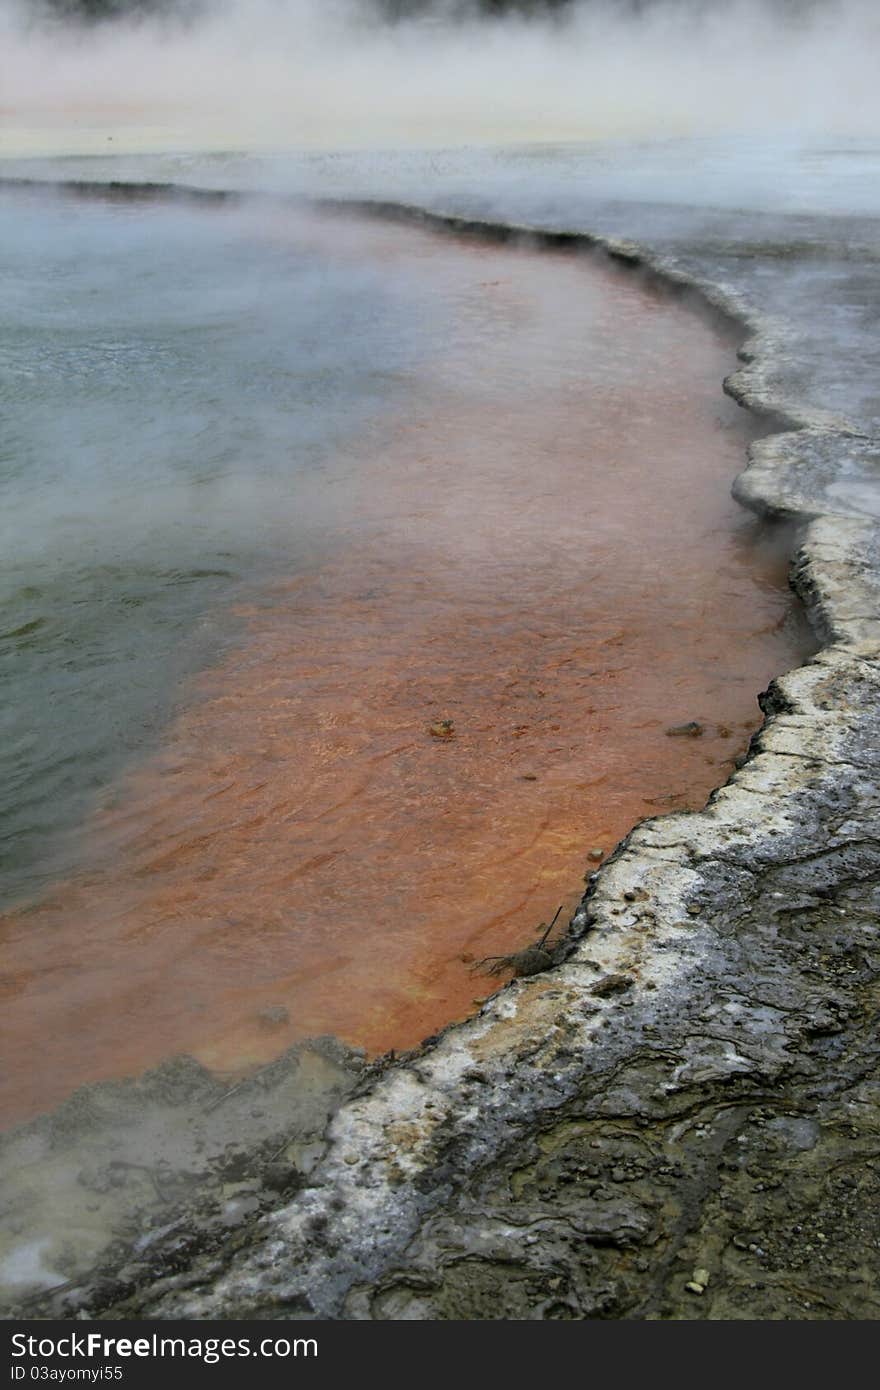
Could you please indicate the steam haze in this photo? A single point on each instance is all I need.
(288, 74)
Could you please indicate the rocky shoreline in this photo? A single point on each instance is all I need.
(679, 1119)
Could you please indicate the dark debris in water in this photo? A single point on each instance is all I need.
(529, 961)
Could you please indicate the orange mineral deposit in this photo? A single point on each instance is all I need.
(418, 747)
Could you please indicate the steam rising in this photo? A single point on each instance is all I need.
(292, 74)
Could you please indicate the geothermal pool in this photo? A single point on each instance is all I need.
(352, 578)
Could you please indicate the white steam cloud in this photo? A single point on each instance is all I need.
(293, 74)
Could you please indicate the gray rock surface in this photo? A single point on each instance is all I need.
(87, 1191)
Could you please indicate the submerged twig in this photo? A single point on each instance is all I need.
(552, 925)
(226, 1094)
(530, 961)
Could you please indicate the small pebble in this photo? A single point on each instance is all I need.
(442, 729)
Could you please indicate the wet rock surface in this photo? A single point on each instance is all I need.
(680, 1119)
(694, 1087)
(178, 1157)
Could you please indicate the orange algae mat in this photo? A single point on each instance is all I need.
(547, 556)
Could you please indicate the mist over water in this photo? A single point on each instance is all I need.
(299, 73)
(388, 479)
(198, 405)
(282, 496)
(183, 396)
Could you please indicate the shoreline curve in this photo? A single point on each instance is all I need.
(692, 1083)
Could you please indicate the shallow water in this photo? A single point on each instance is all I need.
(358, 480)
(176, 388)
